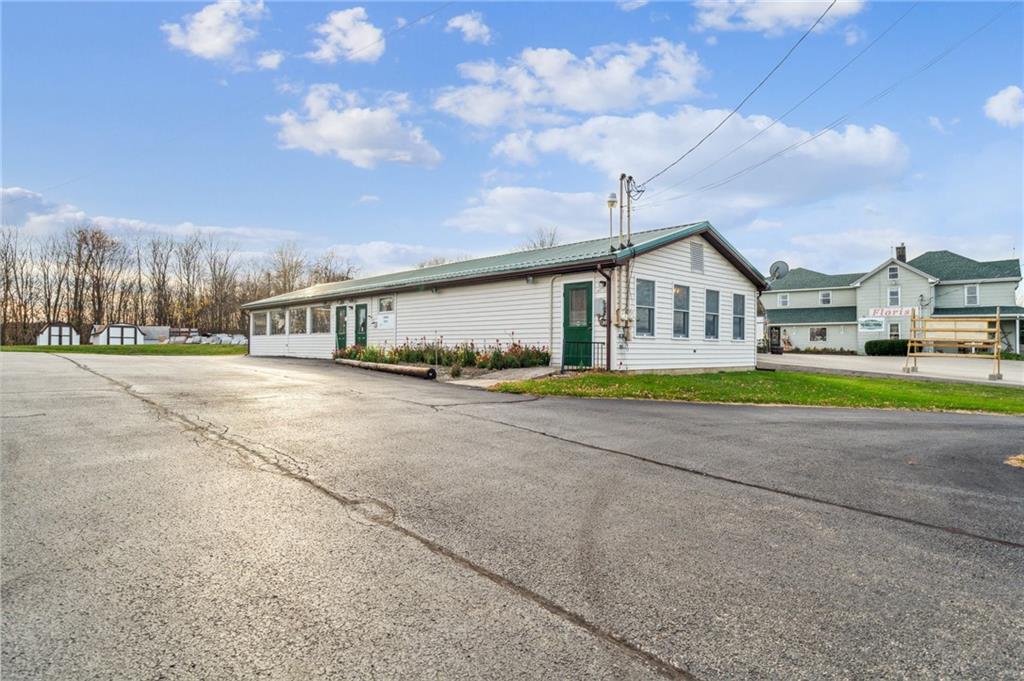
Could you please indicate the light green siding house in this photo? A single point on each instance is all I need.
(844, 311)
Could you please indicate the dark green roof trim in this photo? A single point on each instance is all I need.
(582, 255)
(950, 266)
(977, 311)
(802, 278)
(812, 315)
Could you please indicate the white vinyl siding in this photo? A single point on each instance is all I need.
(669, 266)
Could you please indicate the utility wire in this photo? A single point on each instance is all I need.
(796, 106)
(259, 100)
(839, 121)
(738, 106)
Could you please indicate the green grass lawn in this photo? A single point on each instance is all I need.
(155, 349)
(782, 387)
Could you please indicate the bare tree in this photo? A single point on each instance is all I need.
(188, 271)
(433, 261)
(543, 237)
(329, 266)
(222, 283)
(159, 255)
(288, 267)
(54, 267)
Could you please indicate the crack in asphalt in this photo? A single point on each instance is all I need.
(753, 485)
(384, 515)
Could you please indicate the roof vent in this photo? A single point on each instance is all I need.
(901, 252)
(697, 257)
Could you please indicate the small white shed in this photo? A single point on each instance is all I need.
(117, 334)
(58, 333)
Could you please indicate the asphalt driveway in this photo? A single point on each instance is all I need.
(237, 517)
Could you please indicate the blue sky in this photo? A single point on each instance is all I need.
(462, 133)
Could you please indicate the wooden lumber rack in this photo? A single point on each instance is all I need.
(955, 337)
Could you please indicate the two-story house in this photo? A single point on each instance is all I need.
(844, 311)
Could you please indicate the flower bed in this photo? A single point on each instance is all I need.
(498, 356)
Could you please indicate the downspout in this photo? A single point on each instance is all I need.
(607, 318)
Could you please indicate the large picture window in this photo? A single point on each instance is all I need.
(644, 307)
(297, 320)
(739, 316)
(819, 333)
(259, 323)
(276, 322)
(681, 311)
(711, 314)
(321, 320)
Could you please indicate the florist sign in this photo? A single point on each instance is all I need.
(891, 311)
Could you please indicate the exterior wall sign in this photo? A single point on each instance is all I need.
(891, 311)
(871, 324)
(385, 320)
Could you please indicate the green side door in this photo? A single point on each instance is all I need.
(341, 326)
(361, 325)
(578, 325)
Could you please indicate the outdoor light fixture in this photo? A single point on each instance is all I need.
(529, 279)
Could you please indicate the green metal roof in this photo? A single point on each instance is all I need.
(799, 278)
(950, 266)
(977, 311)
(812, 315)
(565, 256)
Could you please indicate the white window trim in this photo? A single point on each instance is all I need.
(888, 296)
(977, 295)
(821, 296)
(888, 330)
(888, 272)
(717, 313)
(654, 309)
(689, 314)
(783, 300)
(733, 316)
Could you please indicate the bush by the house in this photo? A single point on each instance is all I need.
(498, 356)
(820, 351)
(890, 347)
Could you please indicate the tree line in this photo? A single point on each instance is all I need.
(87, 275)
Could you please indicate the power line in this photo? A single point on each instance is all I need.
(738, 106)
(796, 106)
(839, 121)
(259, 100)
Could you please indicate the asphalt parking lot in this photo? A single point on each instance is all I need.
(223, 517)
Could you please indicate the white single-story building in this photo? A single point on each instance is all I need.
(676, 298)
(117, 334)
(58, 333)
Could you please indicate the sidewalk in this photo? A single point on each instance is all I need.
(495, 377)
(938, 368)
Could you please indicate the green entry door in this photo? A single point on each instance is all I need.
(361, 325)
(577, 325)
(341, 326)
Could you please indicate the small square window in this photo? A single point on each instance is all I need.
(386, 304)
(783, 300)
(894, 271)
(825, 297)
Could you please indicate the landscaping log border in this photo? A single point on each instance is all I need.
(403, 369)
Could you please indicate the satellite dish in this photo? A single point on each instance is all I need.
(779, 269)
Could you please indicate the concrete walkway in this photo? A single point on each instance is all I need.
(940, 368)
(505, 375)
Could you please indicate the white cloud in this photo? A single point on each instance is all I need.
(942, 127)
(852, 35)
(520, 210)
(630, 5)
(711, 40)
(347, 34)
(269, 61)
(1006, 107)
(472, 26)
(771, 17)
(339, 123)
(35, 215)
(837, 162)
(368, 198)
(382, 257)
(540, 82)
(217, 31)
